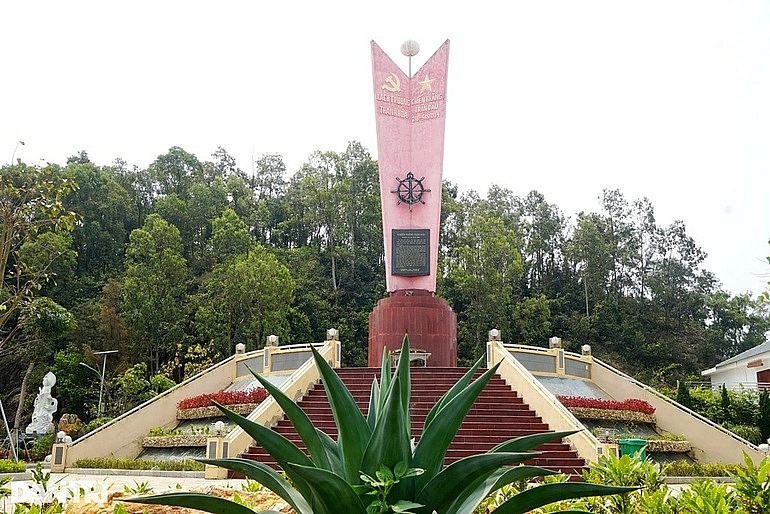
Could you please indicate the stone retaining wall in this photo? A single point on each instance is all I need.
(612, 415)
(213, 411)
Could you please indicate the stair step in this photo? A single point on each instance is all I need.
(499, 414)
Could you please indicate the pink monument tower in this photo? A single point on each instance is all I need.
(410, 111)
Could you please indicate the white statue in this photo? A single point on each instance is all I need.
(45, 407)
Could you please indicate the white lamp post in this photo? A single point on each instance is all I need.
(100, 374)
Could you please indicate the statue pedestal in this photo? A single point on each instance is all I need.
(428, 320)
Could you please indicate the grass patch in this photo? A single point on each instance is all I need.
(125, 463)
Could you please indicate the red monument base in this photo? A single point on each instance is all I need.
(428, 320)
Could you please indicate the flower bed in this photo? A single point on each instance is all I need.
(256, 395)
(631, 404)
(631, 410)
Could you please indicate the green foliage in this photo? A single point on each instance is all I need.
(707, 496)
(683, 468)
(724, 405)
(752, 483)
(626, 470)
(142, 269)
(749, 432)
(132, 388)
(12, 466)
(376, 452)
(126, 463)
(160, 431)
(42, 447)
(32, 212)
(96, 423)
(138, 488)
(763, 417)
(380, 486)
(683, 394)
(246, 298)
(252, 486)
(743, 405)
(5, 492)
(46, 318)
(153, 288)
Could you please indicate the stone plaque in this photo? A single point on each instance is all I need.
(411, 252)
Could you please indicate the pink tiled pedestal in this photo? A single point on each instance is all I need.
(428, 320)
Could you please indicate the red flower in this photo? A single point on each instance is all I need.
(255, 395)
(631, 404)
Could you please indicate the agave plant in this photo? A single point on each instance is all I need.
(339, 476)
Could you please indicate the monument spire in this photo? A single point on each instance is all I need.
(410, 113)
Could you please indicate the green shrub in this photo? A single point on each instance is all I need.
(697, 469)
(12, 466)
(125, 463)
(95, 423)
(707, 496)
(645, 476)
(752, 483)
(42, 447)
(748, 432)
(330, 481)
(5, 492)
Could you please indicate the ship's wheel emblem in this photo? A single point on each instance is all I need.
(410, 190)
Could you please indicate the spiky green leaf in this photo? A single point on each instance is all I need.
(405, 384)
(389, 443)
(301, 422)
(527, 442)
(544, 494)
(467, 500)
(353, 430)
(443, 489)
(438, 435)
(268, 477)
(332, 450)
(453, 391)
(199, 501)
(374, 404)
(280, 448)
(332, 493)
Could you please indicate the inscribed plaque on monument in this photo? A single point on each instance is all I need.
(411, 252)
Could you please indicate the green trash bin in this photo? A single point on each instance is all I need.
(632, 447)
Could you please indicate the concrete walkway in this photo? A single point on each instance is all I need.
(95, 485)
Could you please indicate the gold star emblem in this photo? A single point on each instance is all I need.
(426, 84)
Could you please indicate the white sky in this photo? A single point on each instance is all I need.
(663, 99)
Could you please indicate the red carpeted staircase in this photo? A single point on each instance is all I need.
(498, 415)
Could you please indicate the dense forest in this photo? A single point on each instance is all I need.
(175, 264)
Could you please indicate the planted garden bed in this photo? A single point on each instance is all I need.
(631, 410)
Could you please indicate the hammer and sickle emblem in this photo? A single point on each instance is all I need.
(392, 83)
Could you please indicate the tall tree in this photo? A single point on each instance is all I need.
(41, 323)
(154, 289)
(246, 299)
(482, 276)
(674, 281)
(175, 171)
(31, 206)
(543, 238)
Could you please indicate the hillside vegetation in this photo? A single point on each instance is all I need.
(175, 264)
